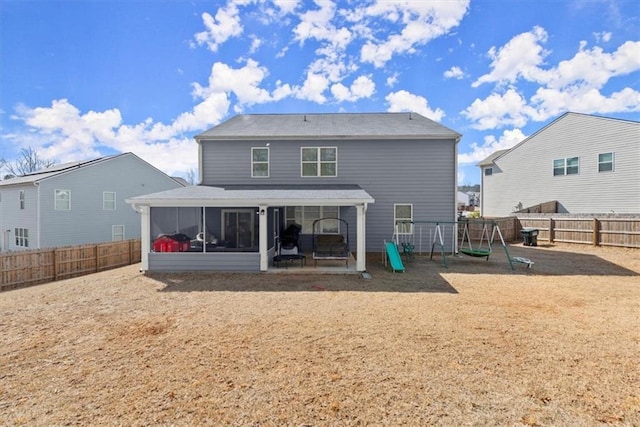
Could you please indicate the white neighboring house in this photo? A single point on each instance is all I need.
(77, 203)
(588, 164)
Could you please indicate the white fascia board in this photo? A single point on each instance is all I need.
(248, 202)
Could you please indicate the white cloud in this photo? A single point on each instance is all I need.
(316, 24)
(520, 57)
(225, 25)
(287, 6)
(603, 36)
(362, 87)
(508, 139)
(405, 101)
(498, 110)
(454, 73)
(313, 88)
(421, 21)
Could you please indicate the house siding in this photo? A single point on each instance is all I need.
(86, 221)
(418, 172)
(12, 217)
(524, 175)
(231, 261)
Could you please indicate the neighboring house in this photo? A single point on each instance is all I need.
(588, 164)
(76, 203)
(259, 174)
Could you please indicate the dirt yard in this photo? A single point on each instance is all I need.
(474, 344)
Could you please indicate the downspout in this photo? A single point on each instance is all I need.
(38, 224)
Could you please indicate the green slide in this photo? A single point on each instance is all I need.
(394, 257)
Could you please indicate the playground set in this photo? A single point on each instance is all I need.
(404, 239)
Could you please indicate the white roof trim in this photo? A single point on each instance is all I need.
(200, 195)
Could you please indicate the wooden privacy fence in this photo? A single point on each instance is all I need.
(624, 232)
(26, 268)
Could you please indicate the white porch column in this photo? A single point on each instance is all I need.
(361, 261)
(145, 236)
(262, 238)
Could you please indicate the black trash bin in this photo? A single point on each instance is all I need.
(530, 236)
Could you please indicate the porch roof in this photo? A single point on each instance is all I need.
(256, 195)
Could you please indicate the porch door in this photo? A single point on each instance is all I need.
(238, 227)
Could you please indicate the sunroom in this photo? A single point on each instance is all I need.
(238, 228)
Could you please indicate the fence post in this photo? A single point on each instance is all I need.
(551, 230)
(95, 255)
(55, 265)
(596, 232)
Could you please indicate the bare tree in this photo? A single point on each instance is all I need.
(191, 177)
(28, 161)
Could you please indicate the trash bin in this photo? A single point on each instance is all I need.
(530, 236)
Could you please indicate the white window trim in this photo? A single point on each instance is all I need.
(318, 162)
(395, 218)
(613, 162)
(488, 171)
(55, 199)
(565, 166)
(303, 220)
(21, 198)
(22, 237)
(104, 201)
(114, 233)
(268, 162)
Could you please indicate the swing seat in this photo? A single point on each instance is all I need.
(479, 253)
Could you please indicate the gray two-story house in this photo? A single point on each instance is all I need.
(588, 164)
(77, 203)
(346, 177)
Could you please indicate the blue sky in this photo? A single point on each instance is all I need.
(81, 79)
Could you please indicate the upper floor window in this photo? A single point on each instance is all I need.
(568, 166)
(306, 215)
(22, 237)
(259, 162)
(488, 172)
(319, 161)
(605, 162)
(109, 201)
(117, 233)
(21, 198)
(403, 218)
(63, 200)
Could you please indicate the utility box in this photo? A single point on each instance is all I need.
(530, 236)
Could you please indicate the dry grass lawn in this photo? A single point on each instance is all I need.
(474, 344)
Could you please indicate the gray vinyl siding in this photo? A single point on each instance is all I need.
(525, 174)
(12, 217)
(218, 261)
(419, 172)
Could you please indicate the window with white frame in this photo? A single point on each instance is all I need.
(488, 172)
(605, 162)
(260, 162)
(21, 198)
(306, 215)
(117, 233)
(22, 237)
(319, 161)
(63, 200)
(109, 200)
(403, 218)
(567, 166)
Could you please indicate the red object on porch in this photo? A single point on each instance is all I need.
(171, 243)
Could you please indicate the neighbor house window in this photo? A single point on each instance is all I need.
(488, 172)
(63, 200)
(117, 233)
(259, 162)
(22, 237)
(21, 197)
(568, 166)
(109, 201)
(402, 218)
(605, 162)
(306, 215)
(319, 161)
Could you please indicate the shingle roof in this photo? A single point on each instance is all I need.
(328, 126)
